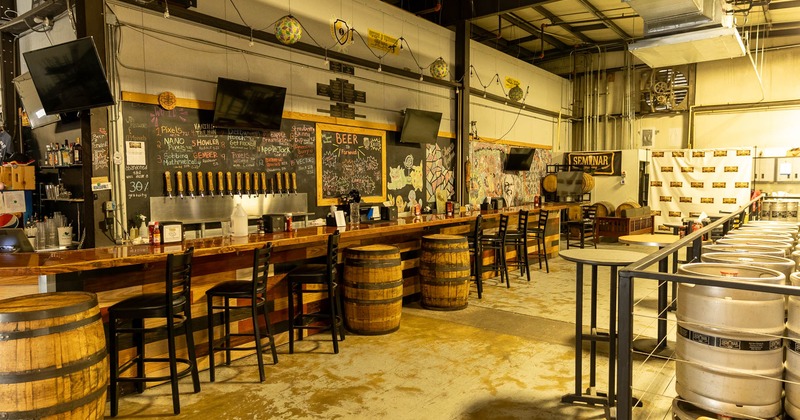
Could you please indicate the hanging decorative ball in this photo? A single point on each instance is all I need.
(288, 30)
(439, 68)
(515, 94)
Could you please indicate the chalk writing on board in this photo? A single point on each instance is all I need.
(350, 158)
(100, 150)
(137, 181)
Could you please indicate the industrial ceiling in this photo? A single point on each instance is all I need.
(537, 31)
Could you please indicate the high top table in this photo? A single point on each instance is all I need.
(659, 240)
(612, 258)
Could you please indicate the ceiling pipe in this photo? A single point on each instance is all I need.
(433, 9)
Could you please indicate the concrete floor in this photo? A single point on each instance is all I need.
(509, 355)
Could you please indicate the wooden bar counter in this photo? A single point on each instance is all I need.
(118, 272)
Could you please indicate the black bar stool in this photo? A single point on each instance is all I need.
(254, 290)
(537, 233)
(585, 228)
(316, 274)
(497, 243)
(476, 252)
(519, 240)
(175, 307)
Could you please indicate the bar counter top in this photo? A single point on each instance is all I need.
(29, 263)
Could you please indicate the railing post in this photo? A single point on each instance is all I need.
(625, 334)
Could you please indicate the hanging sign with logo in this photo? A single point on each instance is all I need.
(601, 163)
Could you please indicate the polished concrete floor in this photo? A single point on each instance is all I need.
(509, 355)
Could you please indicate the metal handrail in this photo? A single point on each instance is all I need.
(625, 398)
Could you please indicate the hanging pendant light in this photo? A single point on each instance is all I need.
(439, 68)
(288, 30)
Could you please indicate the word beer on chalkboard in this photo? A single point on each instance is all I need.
(350, 158)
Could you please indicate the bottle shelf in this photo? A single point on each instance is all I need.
(76, 165)
(66, 200)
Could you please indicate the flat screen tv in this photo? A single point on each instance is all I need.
(31, 102)
(248, 105)
(69, 76)
(420, 126)
(519, 159)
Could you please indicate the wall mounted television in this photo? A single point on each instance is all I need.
(69, 76)
(31, 102)
(420, 126)
(248, 105)
(519, 159)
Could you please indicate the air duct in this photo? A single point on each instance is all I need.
(691, 47)
(667, 16)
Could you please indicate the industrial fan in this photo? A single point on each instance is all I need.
(666, 89)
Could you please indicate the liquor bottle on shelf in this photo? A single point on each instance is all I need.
(66, 156)
(77, 152)
(48, 156)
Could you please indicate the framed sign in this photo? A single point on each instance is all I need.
(601, 163)
(350, 158)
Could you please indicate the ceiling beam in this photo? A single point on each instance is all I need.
(584, 28)
(774, 5)
(533, 30)
(490, 39)
(605, 19)
(555, 20)
(454, 11)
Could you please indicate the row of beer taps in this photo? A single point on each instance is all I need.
(222, 184)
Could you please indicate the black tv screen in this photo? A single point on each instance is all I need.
(420, 126)
(519, 159)
(37, 117)
(69, 76)
(248, 105)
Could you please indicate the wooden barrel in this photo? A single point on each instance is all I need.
(53, 359)
(444, 272)
(604, 209)
(550, 183)
(588, 183)
(627, 205)
(373, 289)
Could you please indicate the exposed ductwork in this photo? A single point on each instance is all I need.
(691, 33)
(666, 16)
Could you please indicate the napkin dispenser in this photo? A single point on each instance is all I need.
(389, 213)
(274, 223)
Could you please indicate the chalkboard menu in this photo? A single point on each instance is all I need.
(183, 139)
(350, 158)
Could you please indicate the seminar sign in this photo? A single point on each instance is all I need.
(602, 163)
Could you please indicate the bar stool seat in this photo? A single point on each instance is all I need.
(519, 240)
(316, 274)
(476, 253)
(497, 243)
(537, 233)
(255, 291)
(174, 306)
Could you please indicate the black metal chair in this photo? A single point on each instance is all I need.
(255, 291)
(175, 307)
(316, 274)
(583, 230)
(519, 240)
(475, 251)
(497, 243)
(537, 233)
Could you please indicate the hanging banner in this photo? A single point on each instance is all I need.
(686, 183)
(602, 163)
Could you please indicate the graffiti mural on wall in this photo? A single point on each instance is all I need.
(405, 184)
(487, 178)
(439, 169)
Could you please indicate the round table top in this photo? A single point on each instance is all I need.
(674, 224)
(650, 239)
(606, 257)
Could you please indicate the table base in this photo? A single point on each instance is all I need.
(654, 347)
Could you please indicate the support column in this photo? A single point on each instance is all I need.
(463, 33)
(7, 72)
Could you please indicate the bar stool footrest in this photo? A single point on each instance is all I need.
(182, 373)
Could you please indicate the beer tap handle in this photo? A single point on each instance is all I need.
(286, 180)
(210, 177)
(229, 180)
(280, 187)
(168, 183)
(272, 186)
(294, 182)
(221, 183)
(200, 187)
(190, 183)
(239, 183)
(179, 176)
(264, 181)
(255, 183)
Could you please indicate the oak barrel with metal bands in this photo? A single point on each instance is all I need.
(53, 359)
(444, 272)
(373, 289)
(588, 183)
(550, 183)
(605, 209)
(627, 205)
